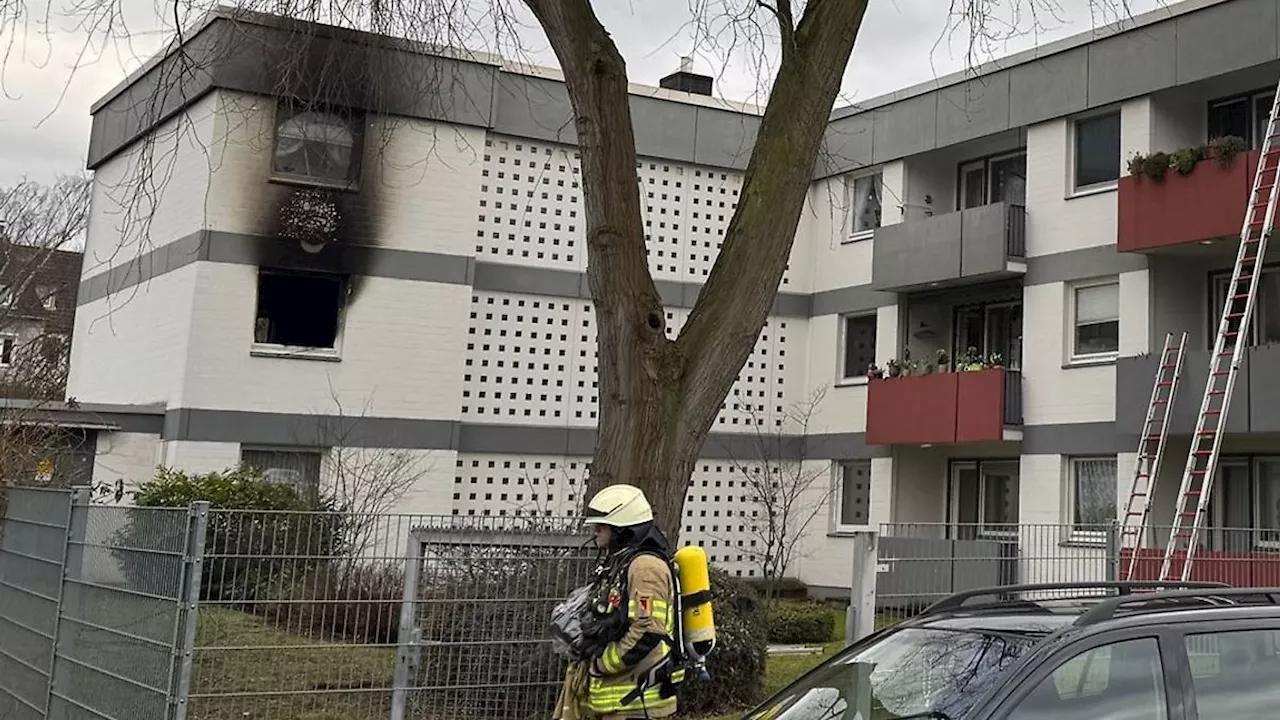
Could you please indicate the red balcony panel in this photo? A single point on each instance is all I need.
(916, 410)
(1205, 204)
(1255, 569)
(980, 405)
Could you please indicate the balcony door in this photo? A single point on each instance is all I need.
(990, 328)
(984, 498)
(1001, 178)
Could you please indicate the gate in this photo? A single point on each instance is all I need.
(94, 601)
(474, 642)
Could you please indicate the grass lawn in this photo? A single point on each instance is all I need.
(246, 669)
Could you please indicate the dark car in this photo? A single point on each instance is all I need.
(1083, 651)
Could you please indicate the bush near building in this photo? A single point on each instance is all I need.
(800, 623)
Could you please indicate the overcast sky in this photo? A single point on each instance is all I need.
(51, 77)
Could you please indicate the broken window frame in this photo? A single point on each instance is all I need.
(353, 120)
(299, 351)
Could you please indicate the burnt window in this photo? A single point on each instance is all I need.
(298, 309)
(317, 145)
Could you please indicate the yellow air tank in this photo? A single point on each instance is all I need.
(695, 599)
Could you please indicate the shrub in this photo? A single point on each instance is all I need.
(343, 600)
(1226, 148)
(800, 622)
(259, 536)
(737, 664)
(1184, 160)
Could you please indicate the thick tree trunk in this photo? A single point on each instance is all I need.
(658, 397)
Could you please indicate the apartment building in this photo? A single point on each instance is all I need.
(385, 269)
(37, 310)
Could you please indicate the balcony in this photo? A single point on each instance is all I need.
(974, 245)
(948, 407)
(1255, 406)
(1206, 204)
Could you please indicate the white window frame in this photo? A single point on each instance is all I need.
(6, 295)
(1074, 357)
(1255, 481)
(1073, 151)
(48, 296)
(988, 178)
(837, 523)
(850, 184)
(1072, 489)
(11, 341)
(263, 349)
(843, 345)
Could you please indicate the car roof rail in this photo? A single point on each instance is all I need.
(1108, 608)
(957, 601)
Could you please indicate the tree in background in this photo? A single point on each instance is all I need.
(786, 490)
(41, 233)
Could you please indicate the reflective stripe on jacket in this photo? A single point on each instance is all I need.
(651, 619)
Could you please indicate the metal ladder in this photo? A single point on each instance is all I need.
(1233, 328)
(1155, 430)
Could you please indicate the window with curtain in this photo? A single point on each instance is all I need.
(316, 146)
(864, 205)
(1093, 494)
(1267, 479)
(859, 345)
(1097, 320)
(1264, 327)
(298, 469)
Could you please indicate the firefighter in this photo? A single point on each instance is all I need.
(632, 673)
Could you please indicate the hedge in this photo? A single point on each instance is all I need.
(737, 664)
(795, 623)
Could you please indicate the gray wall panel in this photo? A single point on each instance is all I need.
(982, 233)
(847, 146)
(1091, 438)
(1135, 376)
(973, 109)
(1132, 64)
(1264, 393)
(1226, 37)
(724, 139)
(916, 253)
(1079, 264)
(905, 127)
(850, 299)
(1049, 87)
(663, 129)
(533, 108)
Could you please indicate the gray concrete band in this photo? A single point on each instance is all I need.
(204, 425)
(1175, 45)
(222, 247)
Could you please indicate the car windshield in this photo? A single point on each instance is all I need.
(915, 672)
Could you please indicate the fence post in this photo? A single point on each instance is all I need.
(189, 608)
(407, 652)
(860, 621)
(1113, 550)
(79, 498)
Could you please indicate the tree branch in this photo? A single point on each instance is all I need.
(739, 293)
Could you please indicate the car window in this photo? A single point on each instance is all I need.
(912, 672)
(1235, 674)
(1120, 681)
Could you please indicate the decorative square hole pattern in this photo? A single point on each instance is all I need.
(719, 510)
(531, 210)
(531, 360)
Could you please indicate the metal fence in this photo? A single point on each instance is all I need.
(196, 614)
(93, 602)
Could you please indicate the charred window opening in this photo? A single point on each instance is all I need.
(317, 145)
(298, 309)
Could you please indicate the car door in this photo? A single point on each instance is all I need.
(1231, 669)
(1124, 675)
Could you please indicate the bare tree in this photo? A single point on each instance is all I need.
(41, 228)
(785, 489)
(658, 396)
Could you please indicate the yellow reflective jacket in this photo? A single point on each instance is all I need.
(638, 657)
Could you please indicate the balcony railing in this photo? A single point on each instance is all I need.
(939, 408)
(973, 245)
(1206, 204)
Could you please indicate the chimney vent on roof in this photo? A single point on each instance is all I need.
(686, 80)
